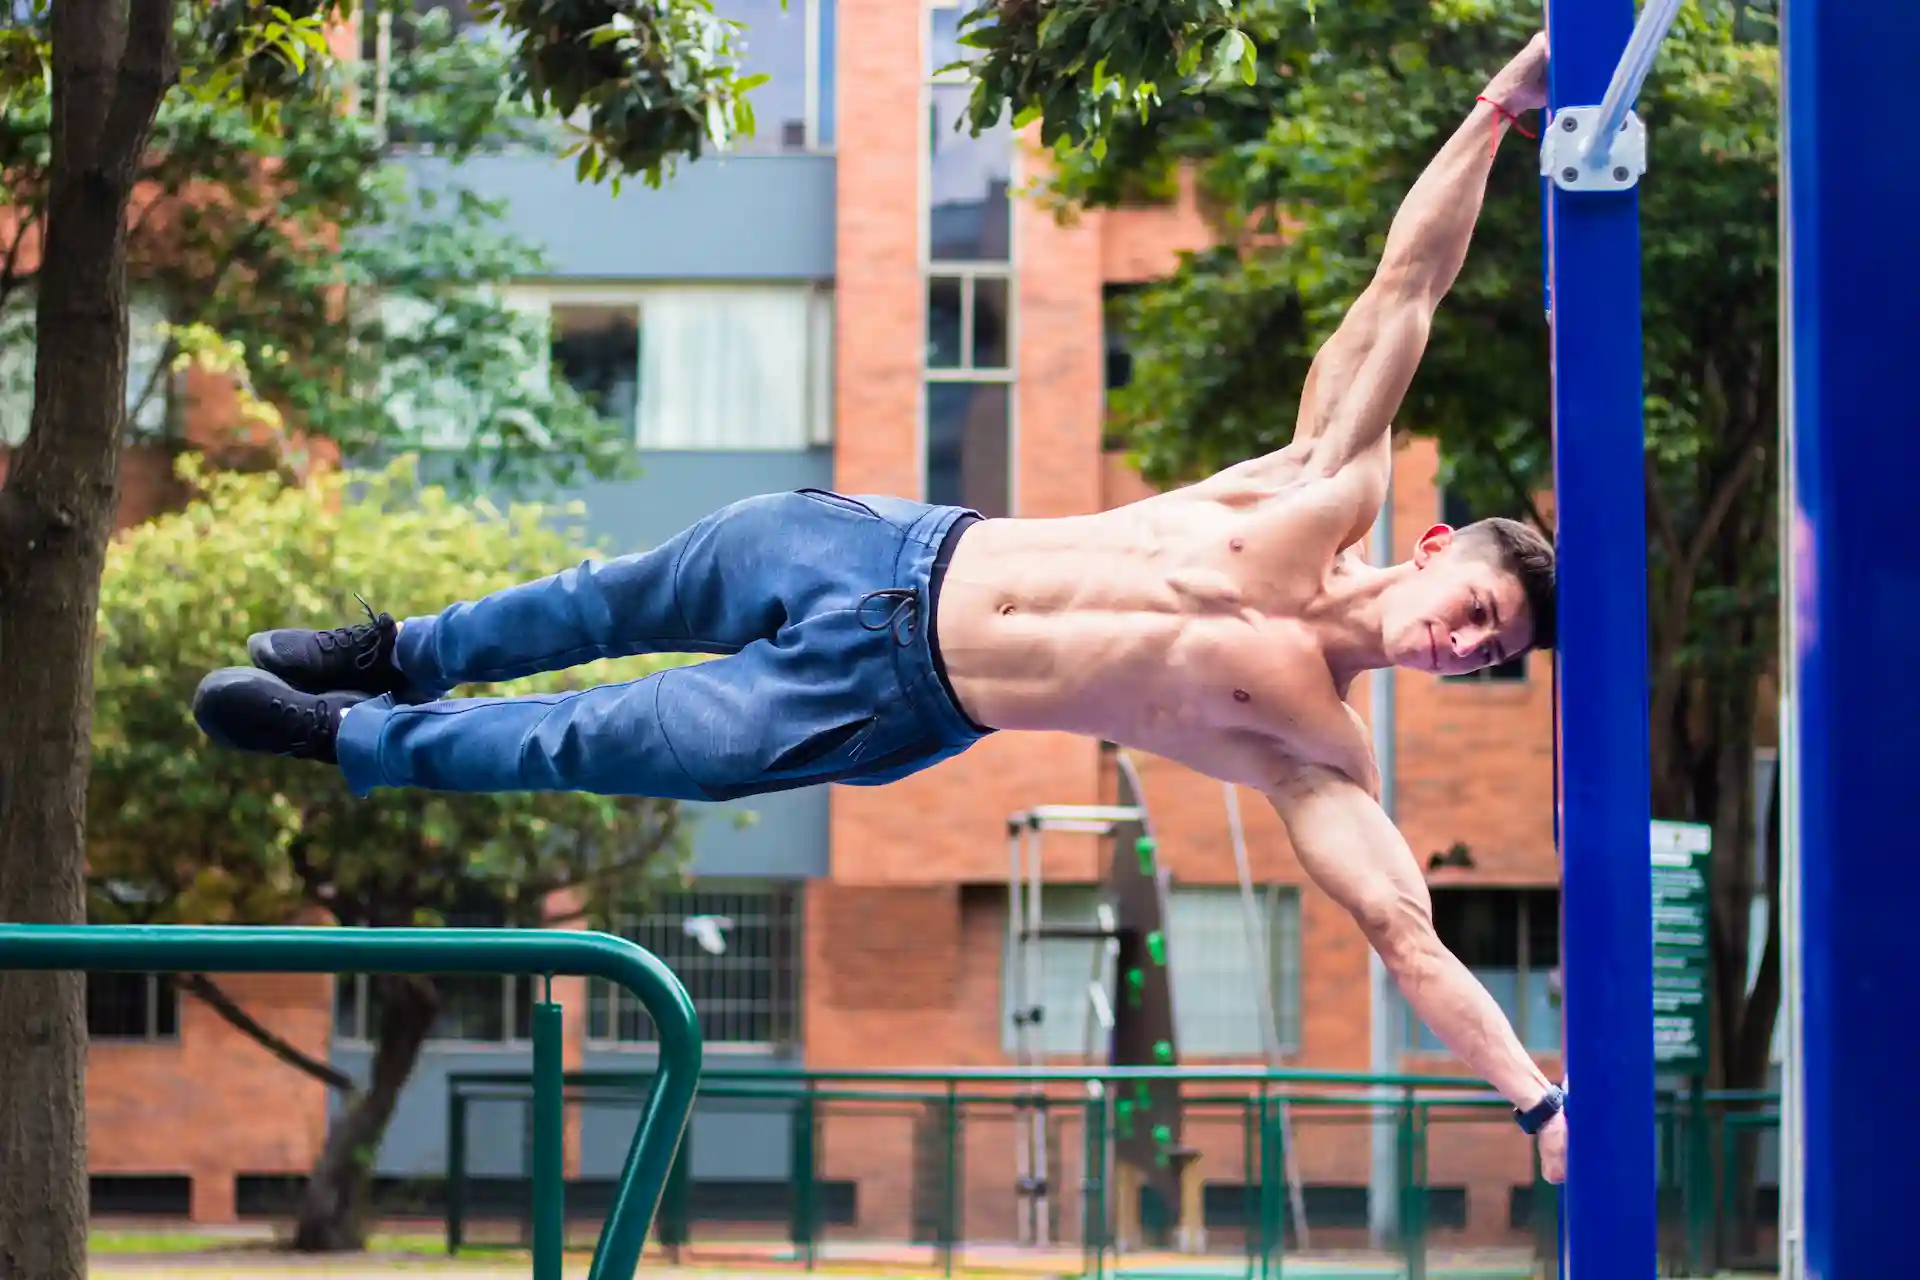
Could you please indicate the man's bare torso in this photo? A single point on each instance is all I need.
(1175, 625)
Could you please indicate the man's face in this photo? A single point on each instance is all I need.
(1457, 612)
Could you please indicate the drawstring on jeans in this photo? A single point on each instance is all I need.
(903, 619)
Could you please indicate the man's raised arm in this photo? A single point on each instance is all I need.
(1362, 374)
(1353, 852)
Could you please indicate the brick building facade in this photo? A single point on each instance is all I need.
(894, 955)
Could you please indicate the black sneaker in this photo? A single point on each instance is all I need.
(357, 658)
(251, 710)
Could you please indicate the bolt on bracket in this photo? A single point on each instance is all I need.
(1572, 156)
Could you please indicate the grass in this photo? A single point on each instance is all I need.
(121, 1243)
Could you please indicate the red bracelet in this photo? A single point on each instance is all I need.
(1509, 117)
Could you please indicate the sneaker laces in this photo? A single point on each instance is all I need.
(361, 641)
(314, 721)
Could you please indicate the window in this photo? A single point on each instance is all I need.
(1457, 512)
(1215, 994)
(970, 335)
(1510, 939)
(737, 950)
(1119, 349)
(967, 444)
(149, 388)
(132, 1006)
(789, 41)
(707, 366)
(686, 367)
(475, 1008)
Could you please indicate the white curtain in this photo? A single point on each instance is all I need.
(1215, 997)
(726, 367)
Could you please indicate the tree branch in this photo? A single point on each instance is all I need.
(9, 280)
(209, 993)
(1721, 501)
(256, 230)
(1657, 513)
(148, 69)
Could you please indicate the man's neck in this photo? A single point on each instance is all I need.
(1346, 619)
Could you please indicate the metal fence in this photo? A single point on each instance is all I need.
(916, 1172)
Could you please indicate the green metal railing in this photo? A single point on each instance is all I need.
(545, 953)
(1425, 1113)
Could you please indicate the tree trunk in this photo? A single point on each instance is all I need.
(56, 513)
(333, 1211)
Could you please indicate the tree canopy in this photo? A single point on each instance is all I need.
(307, 252)
(1300, 173)
(179, 830)
(82, 83)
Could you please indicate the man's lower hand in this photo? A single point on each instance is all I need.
(1553, 1149)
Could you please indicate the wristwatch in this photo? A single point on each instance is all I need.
(1535, 1118)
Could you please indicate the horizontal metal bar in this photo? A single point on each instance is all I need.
(1054, 817)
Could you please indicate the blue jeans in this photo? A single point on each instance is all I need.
(820, 602)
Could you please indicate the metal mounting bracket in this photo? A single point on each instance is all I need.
(1571, 156)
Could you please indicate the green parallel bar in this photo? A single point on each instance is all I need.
(240, 949)
(1696, 1160)
(805, 1175)
(549, 1143)
(950, 1184)
(456, 1171)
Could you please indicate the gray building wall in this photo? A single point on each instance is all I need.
(739, 218)
(730, 1139)
(720, 218)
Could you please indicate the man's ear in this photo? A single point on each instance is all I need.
(1435, 540)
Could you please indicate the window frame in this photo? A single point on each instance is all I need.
(360, 1035)
(1285, 982)
(376, 43)
(157, 988)
(783, 912)
(1526, 896)
(147, 312)
(817, 357)
(969, 271)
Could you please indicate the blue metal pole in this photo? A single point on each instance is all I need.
(1607, 926)
(1853, 275)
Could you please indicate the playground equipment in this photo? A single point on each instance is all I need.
(546, 953)
(1850, 608)
(1130, 998)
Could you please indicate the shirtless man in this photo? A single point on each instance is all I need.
(866, 638)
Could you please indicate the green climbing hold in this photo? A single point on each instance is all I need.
(1143, 848)
(1136, 988)
(1162, 1135)
(1123, 1118)
(1145, 1094)
(1163, 1053)
(1157, 947)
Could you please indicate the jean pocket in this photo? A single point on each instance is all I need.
(829, 498)
(818, 747)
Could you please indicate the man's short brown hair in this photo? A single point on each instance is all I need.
(1523, 552)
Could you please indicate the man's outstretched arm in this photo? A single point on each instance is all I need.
(1360, 376)
(1351, 850)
